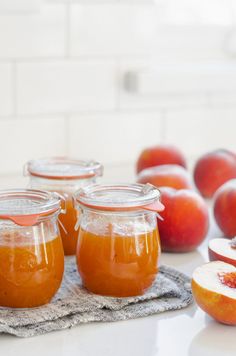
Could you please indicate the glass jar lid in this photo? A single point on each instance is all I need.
(120, 197)
(25, 207)
(63, 168)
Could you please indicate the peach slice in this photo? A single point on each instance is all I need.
(214, 289)
(222, 250)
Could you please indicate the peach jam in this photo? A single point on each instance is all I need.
(64, 176)
(118, 247)
(31, 251)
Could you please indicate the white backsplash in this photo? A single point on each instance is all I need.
(63, 65)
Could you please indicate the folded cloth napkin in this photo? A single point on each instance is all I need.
(74, 305)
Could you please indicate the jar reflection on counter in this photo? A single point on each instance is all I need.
(65, 176)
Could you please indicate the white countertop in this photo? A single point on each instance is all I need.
(188, 332)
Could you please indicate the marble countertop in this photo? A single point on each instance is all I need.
(188, 332)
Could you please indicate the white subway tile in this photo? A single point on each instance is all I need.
(175, 43)
(210, 12)
(88, 1)
(111, 29)
(136, 29)
(24, 139)
(120, 172)
(65, 86)
(38, 34)
(13, 181)
(19, 6)
(113, 138)
(161, 101)
(6, 89)
(129, 99)
(198, 131)
(223, 99)
(187, 77)
(137, 1)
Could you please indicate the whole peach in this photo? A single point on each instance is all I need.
(214, 169)
(158, 155)
(167, 175)
(185, 220)
(224, 208)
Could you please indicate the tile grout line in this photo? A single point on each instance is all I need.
(14, 88)
(67, 134)
(76, 57)
(136, 110)
(119, 85)
(163, 125)
(67, 29)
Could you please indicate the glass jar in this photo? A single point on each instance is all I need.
(118, 246)
(31, 251)
(65, 176)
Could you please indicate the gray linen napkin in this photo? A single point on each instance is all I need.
(74, 305)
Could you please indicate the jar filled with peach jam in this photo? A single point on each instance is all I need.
(65, 176)
(118, 247)
(31, 251)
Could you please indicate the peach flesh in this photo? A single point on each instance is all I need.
(221, 249)
(214, 297)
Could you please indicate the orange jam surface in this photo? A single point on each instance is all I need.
(118, 265)
(68, 234)
(30, 274)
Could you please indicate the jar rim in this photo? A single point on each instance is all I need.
(119, 197)
(63, 168)
(26, 206)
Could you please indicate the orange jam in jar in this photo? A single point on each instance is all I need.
(65, 176)
(118, 247)
(31, 251)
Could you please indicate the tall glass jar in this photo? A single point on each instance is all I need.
(118, 247)
(31, 251)
(65, 176)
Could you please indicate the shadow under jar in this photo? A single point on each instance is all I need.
(65, 176)
(118, 246)
(31, 251)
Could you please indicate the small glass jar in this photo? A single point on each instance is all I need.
(31, 251)
(65, 176)
(118, 246)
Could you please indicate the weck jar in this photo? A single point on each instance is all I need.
(65, 176)
(118, 246)
(31, 251)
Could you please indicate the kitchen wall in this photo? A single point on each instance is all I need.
(104, 78)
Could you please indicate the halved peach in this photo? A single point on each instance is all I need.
(214, 289)
(220, 249)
